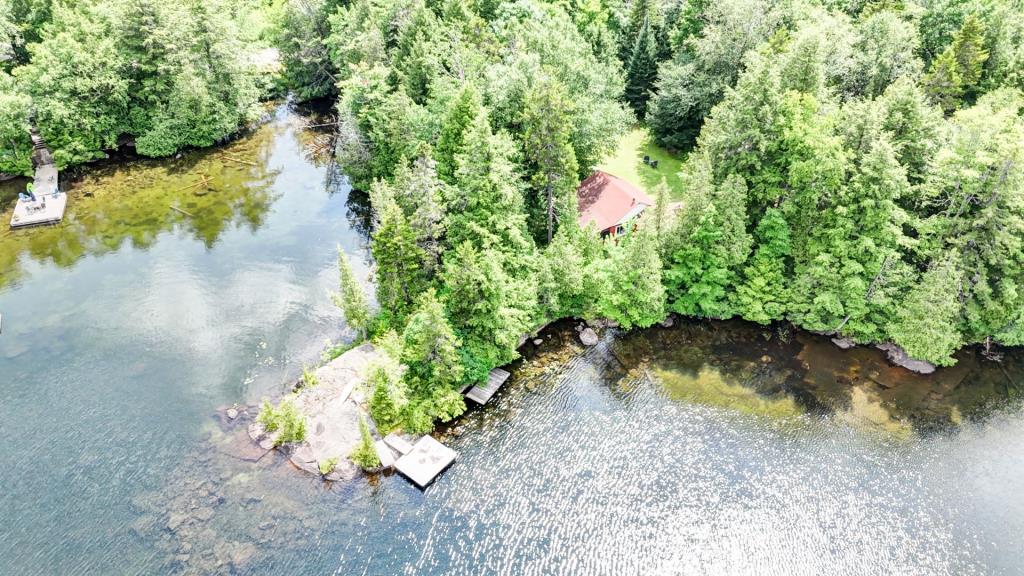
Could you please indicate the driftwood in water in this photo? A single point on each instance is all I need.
(204, 182)
(239, 160)
(185, 212)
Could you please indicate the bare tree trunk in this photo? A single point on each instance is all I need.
(551, 213)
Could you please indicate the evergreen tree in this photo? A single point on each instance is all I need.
(640, 14)
(969, 49)
(703, 268)
(943, 82)
(350, 297)
(430, 347)
(707, 64)
(568, 283)
(460, 115)
(660, 219)
(400, 274)
(549, 157)
(632, 293)
(926, 325)
(977, 182)
(913, 127)
(418, 59)
(387, 399)
(849, 269)
(485, 205)
(642, 71)
(763, 295)
(957, 71)
(421, 194)
(365, 453)
(491, 308)
(301, 36)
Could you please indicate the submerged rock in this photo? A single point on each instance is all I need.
(844, 343)
(175, 520)
(899, 357)
(588, 337)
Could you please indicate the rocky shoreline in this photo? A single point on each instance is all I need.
(331, 408)
(589, 331)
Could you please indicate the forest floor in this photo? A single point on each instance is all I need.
(627, 162)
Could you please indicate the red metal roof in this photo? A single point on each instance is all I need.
(605, 200)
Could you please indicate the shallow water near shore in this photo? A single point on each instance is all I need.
(705, 447)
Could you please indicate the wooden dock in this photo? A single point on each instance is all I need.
(426, 461)
(481, 393)
(50, 202)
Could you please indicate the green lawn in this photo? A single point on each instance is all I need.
(627, 162)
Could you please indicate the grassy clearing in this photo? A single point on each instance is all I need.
(627, 162)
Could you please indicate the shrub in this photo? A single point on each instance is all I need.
(309, 377)
(327, 466)
(386, 400)
(365, 454)
(266, 416)
(285, 419)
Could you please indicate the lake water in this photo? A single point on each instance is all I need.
(719, 448)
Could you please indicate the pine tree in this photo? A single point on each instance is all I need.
(401, 272)
(365, 453)
(762, 296)
(926, 326)
(430, 347)
(703, 267)
(957, 71)
(943, 82)
(387, 399)
(350, 297)
(969, 50)
(549, 156)
(642, 71)
(463, 111)
(632, 293)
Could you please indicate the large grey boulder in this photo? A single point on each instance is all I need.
(844, 343)
(899, 357)
(588, 337)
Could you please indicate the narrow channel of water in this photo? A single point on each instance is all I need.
(720, 448)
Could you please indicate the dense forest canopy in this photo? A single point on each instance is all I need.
(852, 167)
(91, 74)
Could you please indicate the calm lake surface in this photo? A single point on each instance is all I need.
(714, 448)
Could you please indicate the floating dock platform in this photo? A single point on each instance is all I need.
(481, 393)
(426, 461)
(50, 201)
